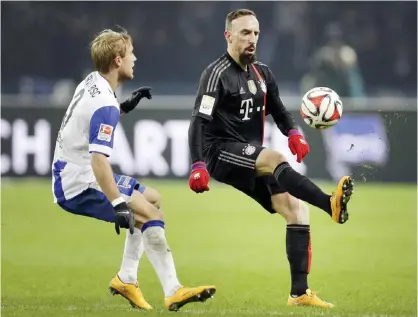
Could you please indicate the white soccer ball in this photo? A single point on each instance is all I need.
(321, 108)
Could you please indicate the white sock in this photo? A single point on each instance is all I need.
(134, 248)
(159, 254)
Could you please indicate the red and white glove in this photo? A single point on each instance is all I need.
(199, 177)
(297, 144)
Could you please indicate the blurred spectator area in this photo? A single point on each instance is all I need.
(45, 43)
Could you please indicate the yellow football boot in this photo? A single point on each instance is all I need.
(185, 295)
(308, 299)
(340, 198)
(130, 291)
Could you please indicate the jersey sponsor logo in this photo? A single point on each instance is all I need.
(206, 105)
(246, 108)
(105, 132)
(252, 87)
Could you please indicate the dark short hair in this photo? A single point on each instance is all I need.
(235, 15)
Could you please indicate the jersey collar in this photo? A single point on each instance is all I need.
(106, 83)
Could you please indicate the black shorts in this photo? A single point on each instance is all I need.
(234, 164)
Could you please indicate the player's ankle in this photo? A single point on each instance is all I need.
(298, 290)
(127, 278)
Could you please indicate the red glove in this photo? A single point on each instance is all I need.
(298, 145)
(199, 177)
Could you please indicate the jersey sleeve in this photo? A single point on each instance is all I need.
(103, 123)
(275, 106)
(209, 94)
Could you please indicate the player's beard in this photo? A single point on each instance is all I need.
(247, 59)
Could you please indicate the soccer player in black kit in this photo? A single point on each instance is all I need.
(235, 95)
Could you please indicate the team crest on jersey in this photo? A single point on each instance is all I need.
(252, 87)
(105, 132)
(248, 149)
(263, 86)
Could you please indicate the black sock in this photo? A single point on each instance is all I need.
(298, 249)
(301, 187)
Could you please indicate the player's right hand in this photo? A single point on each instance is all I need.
(298, 145)
(199, 177)
(124, 218)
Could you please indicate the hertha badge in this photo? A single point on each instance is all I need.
(248, 149)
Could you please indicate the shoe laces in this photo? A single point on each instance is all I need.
(311, 294)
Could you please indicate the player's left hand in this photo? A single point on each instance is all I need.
(131, 103)
(298, 145)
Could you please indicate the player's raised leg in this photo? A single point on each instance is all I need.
(298, 249)
(299, 186)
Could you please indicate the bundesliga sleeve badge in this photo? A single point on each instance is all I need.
(105, 132)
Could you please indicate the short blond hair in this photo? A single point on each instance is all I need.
(233, 15)
(106, 46)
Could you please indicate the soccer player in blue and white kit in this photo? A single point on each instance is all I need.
(83, 182)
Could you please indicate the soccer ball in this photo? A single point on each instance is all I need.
(321, 108)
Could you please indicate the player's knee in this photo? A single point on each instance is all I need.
(153, 197)
(268, 160)
(143, 209)
(157, 213)
(157, 202)
(149, 212)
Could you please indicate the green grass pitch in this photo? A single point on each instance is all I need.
(58, 264)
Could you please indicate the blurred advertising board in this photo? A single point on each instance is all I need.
(370, 145)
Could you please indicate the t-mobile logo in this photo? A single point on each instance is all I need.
(246, 108)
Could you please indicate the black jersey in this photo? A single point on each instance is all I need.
(233, 104)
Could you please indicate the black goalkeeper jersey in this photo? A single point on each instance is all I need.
(232, 103)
